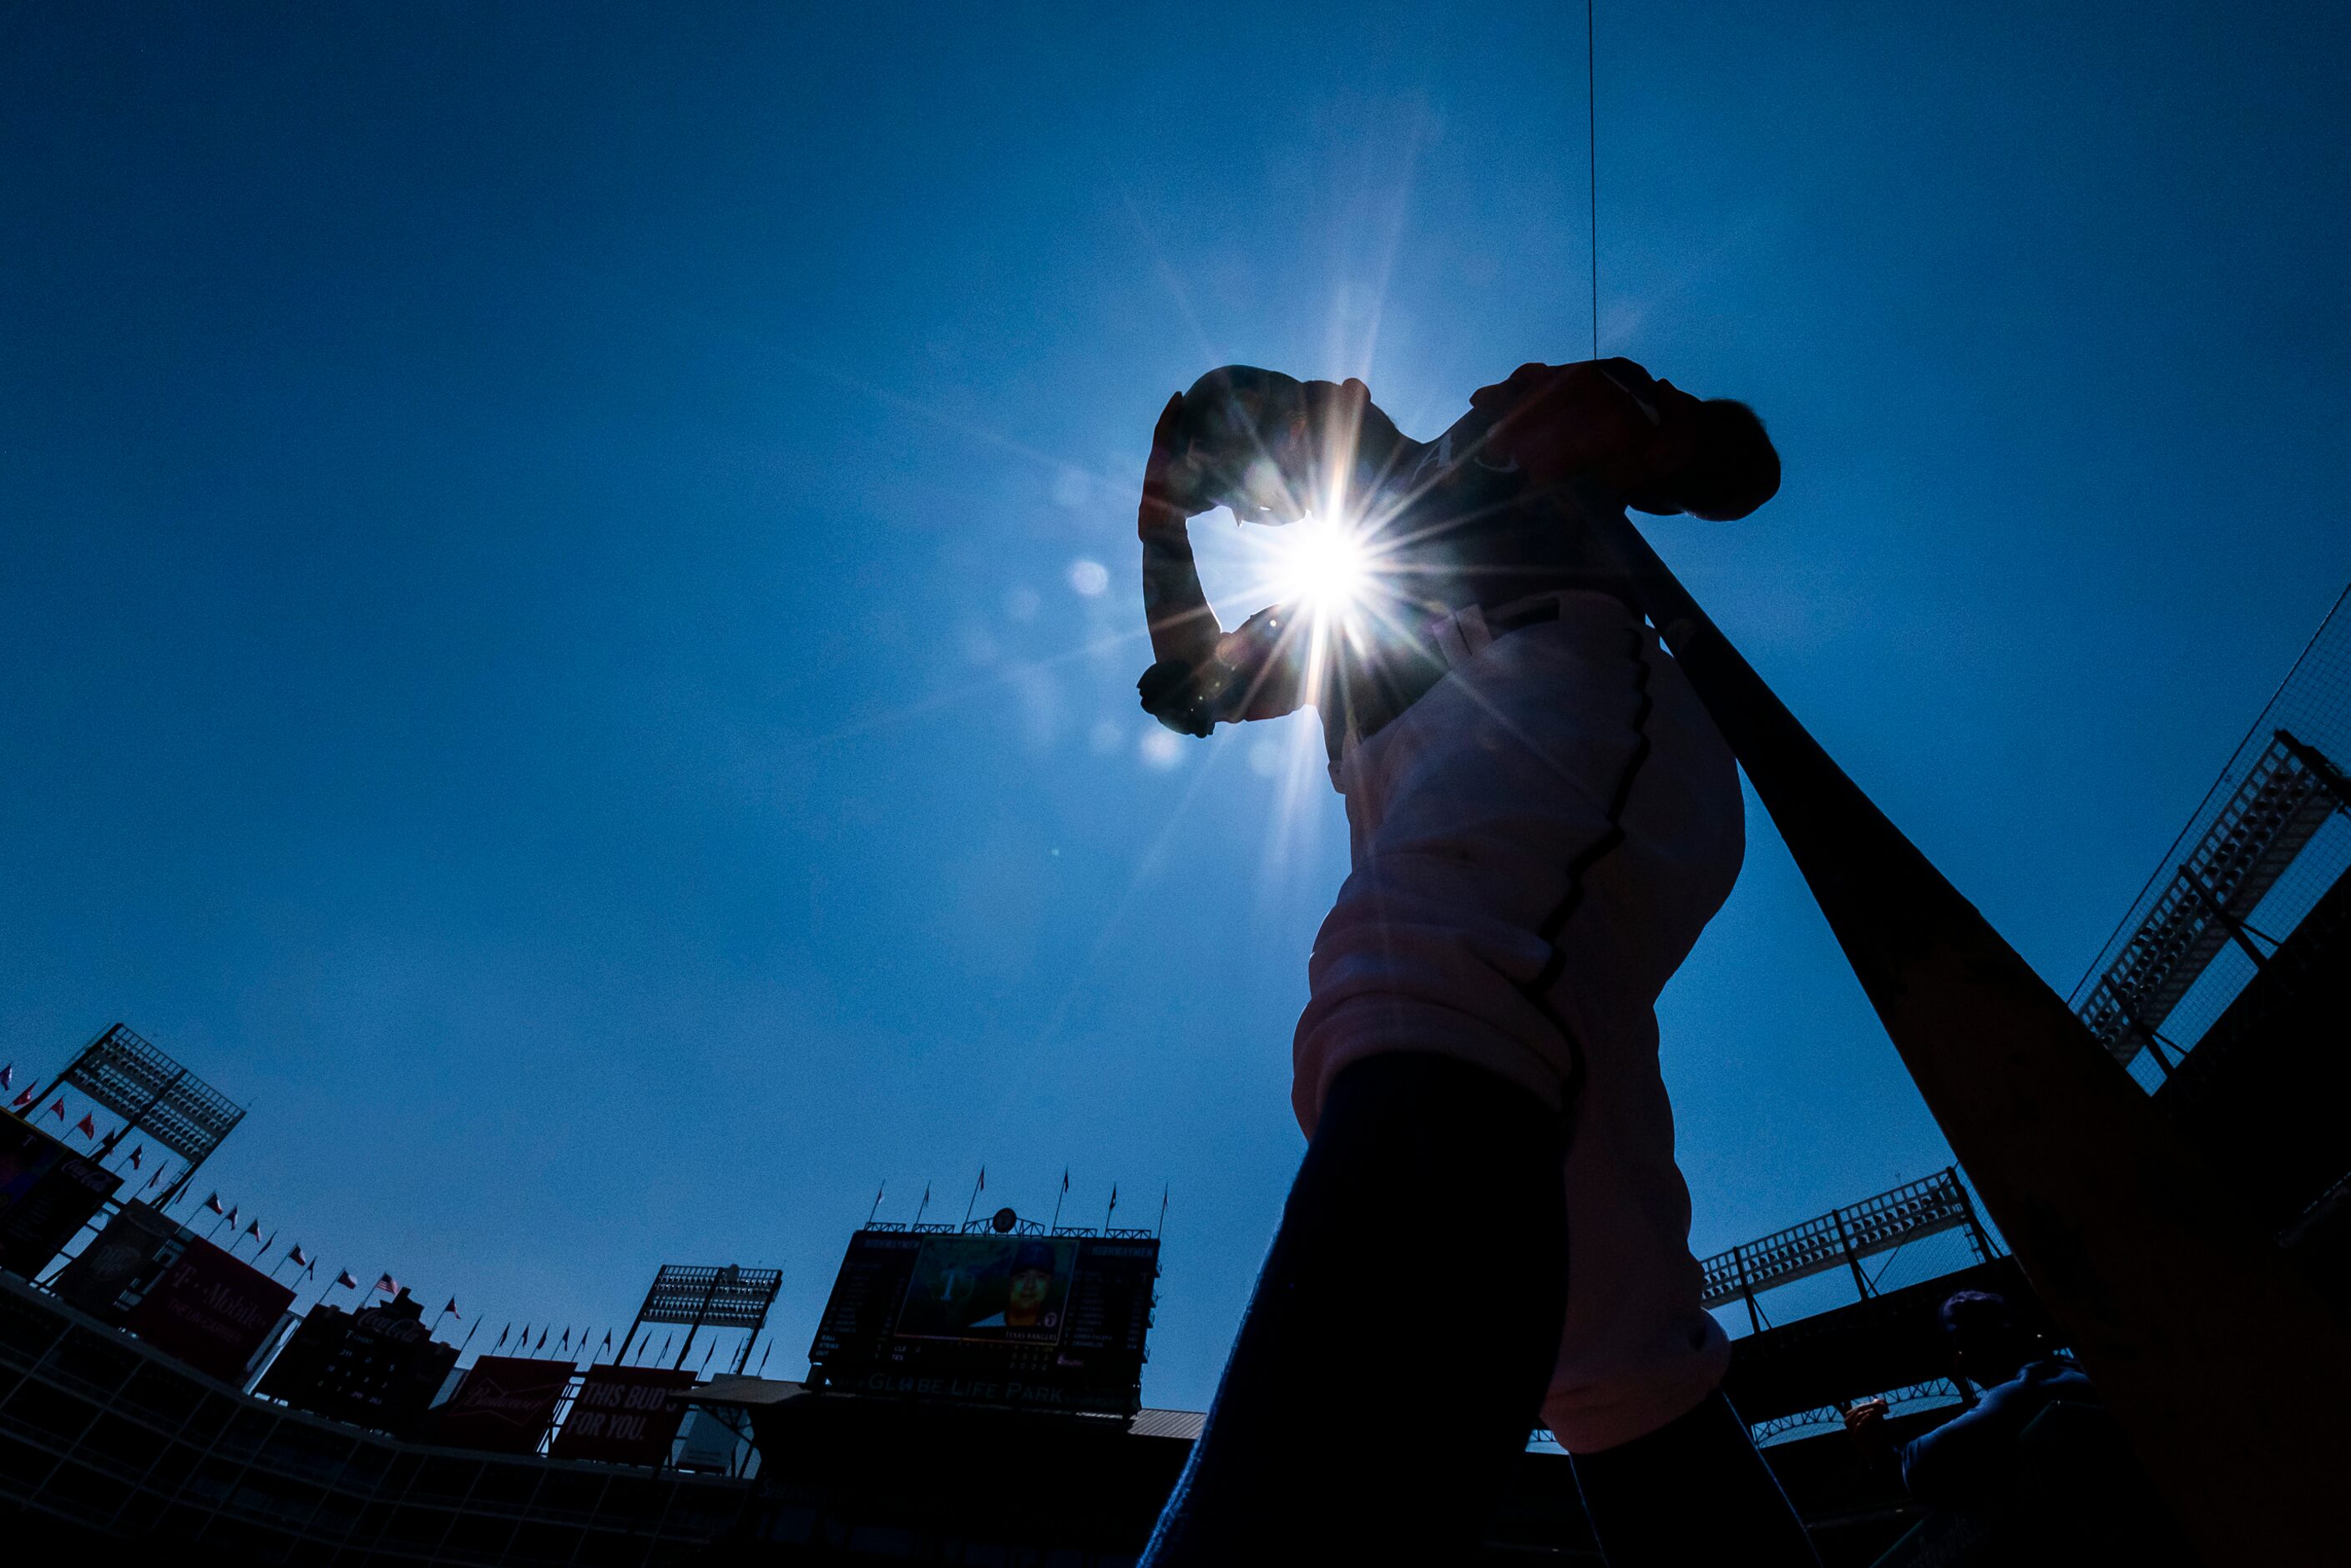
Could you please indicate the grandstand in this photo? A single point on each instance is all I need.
(154, 1389)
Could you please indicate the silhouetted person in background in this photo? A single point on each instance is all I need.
(1971, 1460)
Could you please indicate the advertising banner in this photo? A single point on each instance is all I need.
(504, 1405)
(209, 1311)
(125, 1259)
(624, 1415)
(47, 1192)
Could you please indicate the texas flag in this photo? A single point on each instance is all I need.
(21, 1101)
(343, 1281)
(213, 1203)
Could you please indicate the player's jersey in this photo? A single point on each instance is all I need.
(1452, 527)
(1444, 528)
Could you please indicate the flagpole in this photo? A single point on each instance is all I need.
(1112, 1209)
(877, 1203)
(923, 1205)
(1061, 1198)
(1161, 1230)
(976, 1189)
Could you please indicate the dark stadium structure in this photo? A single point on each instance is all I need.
(974, 1390)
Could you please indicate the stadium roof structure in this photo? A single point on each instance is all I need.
(153, 1092)
(1842, 1238)
(2261, 832)
(2283, 800)
(705, 1297)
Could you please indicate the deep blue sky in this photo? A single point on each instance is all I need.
(539, 553)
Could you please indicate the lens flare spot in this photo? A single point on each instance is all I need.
(1161, 750)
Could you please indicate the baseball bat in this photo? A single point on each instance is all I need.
(2229, 1374)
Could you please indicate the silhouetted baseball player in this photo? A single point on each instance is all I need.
(1542, 819)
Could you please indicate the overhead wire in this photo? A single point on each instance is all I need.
(1591, 145)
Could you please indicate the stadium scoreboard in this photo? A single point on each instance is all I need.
(1042, 1321)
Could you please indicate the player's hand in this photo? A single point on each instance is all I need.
(1866, 1418)
(1188, 697)
(1605, 421)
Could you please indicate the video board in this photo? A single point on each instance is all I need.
(1046, 1321)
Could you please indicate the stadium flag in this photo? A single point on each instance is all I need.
(1112, 1209)
(254, 1230)
(136, 1150)
(343, 1281)
(469, 1336)
(213, 1203)
(923, 1205)
(502, 1335)
(59, 1109)
(231, 1216)
(978, 1187)
(605, 1347)
(1058, 1199)
(153, 1179)
(564, 1343)
(297, 1255)
(877, 1202)
(452, 1307)
(1163, 1211)
(708, 1351)
(763, 1359)
(9, 1076)
(386, 1283)
(86, 1126)
(21, 1101)
(664, 1348)
(542, 1340)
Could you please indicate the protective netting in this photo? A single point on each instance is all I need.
(2267, 841)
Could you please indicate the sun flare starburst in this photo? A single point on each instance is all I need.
(1321, 564)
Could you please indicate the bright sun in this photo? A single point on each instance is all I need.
(1320, 563)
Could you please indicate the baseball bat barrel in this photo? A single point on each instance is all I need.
(2229, 1374)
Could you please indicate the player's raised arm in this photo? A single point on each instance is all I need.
(1185, 687)
(1183, 626)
